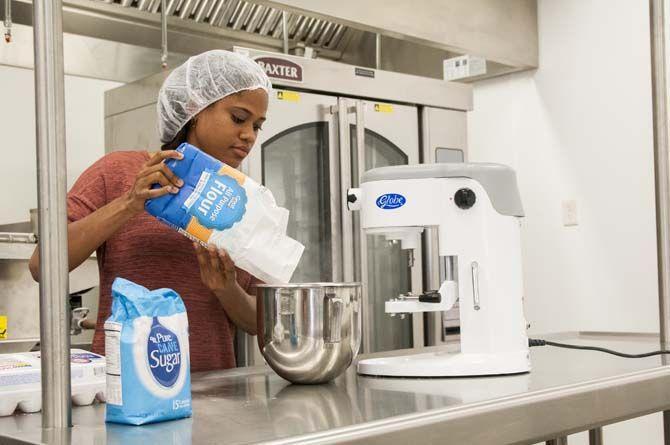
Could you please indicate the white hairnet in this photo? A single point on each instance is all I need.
(201, 81)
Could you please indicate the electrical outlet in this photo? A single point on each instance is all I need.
(570, 213)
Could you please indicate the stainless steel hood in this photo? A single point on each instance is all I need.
(195, 25)
(248, 17)
(127, 35)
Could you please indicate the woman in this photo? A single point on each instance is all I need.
(216, 101)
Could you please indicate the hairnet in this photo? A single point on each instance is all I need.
(201, 81)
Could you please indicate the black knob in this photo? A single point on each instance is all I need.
(465, 198)
(430, 297)
(351, 198)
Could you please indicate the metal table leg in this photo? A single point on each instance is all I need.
(596, 436)
(52, 190)
(660, 81)
(558, 441)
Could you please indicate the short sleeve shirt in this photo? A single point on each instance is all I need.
(153, 255)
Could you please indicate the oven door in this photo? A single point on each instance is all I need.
(390, 136)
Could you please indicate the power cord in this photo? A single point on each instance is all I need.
(533, 342)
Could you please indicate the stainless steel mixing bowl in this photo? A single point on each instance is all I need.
(309, 333)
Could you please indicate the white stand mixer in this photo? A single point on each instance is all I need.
(475, 208)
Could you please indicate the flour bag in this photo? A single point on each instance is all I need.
(146, 347)
(221, 206)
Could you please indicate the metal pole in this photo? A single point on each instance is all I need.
(284, 30)
(658, 10)
(378, 51)
(596, 436)
(164, 47)
(659, 84)
(51, 187)
(8, 21)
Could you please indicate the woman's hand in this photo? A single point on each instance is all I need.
(217, 270)
(153, 172)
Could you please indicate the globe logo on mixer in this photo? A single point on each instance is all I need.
(390, 201)
(163, 354)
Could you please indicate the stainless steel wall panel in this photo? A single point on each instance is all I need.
(145, 136)
(19, 293)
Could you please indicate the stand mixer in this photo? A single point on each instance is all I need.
(476, 210)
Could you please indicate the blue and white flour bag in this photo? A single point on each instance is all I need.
(146, 347)
(221, 206)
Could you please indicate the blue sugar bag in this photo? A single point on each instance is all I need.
(147, 353)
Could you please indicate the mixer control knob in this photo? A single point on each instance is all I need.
(465, 198)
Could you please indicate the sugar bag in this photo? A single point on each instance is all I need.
(147, 351)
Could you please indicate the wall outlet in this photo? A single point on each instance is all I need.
(570, 213)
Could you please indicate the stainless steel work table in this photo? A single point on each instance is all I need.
(567, 391)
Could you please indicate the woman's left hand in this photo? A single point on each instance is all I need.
(217, 270)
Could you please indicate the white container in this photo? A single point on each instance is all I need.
(463, 67)
(20, 380)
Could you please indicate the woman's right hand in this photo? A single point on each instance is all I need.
(154, 172)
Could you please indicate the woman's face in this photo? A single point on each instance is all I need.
(228, 128)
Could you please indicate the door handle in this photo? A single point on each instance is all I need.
(345, 184)
(349, 178)
(359, 109)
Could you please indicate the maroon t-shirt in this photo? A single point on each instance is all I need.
(153, 255)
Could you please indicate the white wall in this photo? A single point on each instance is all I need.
(580, 127)
(84, 115)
